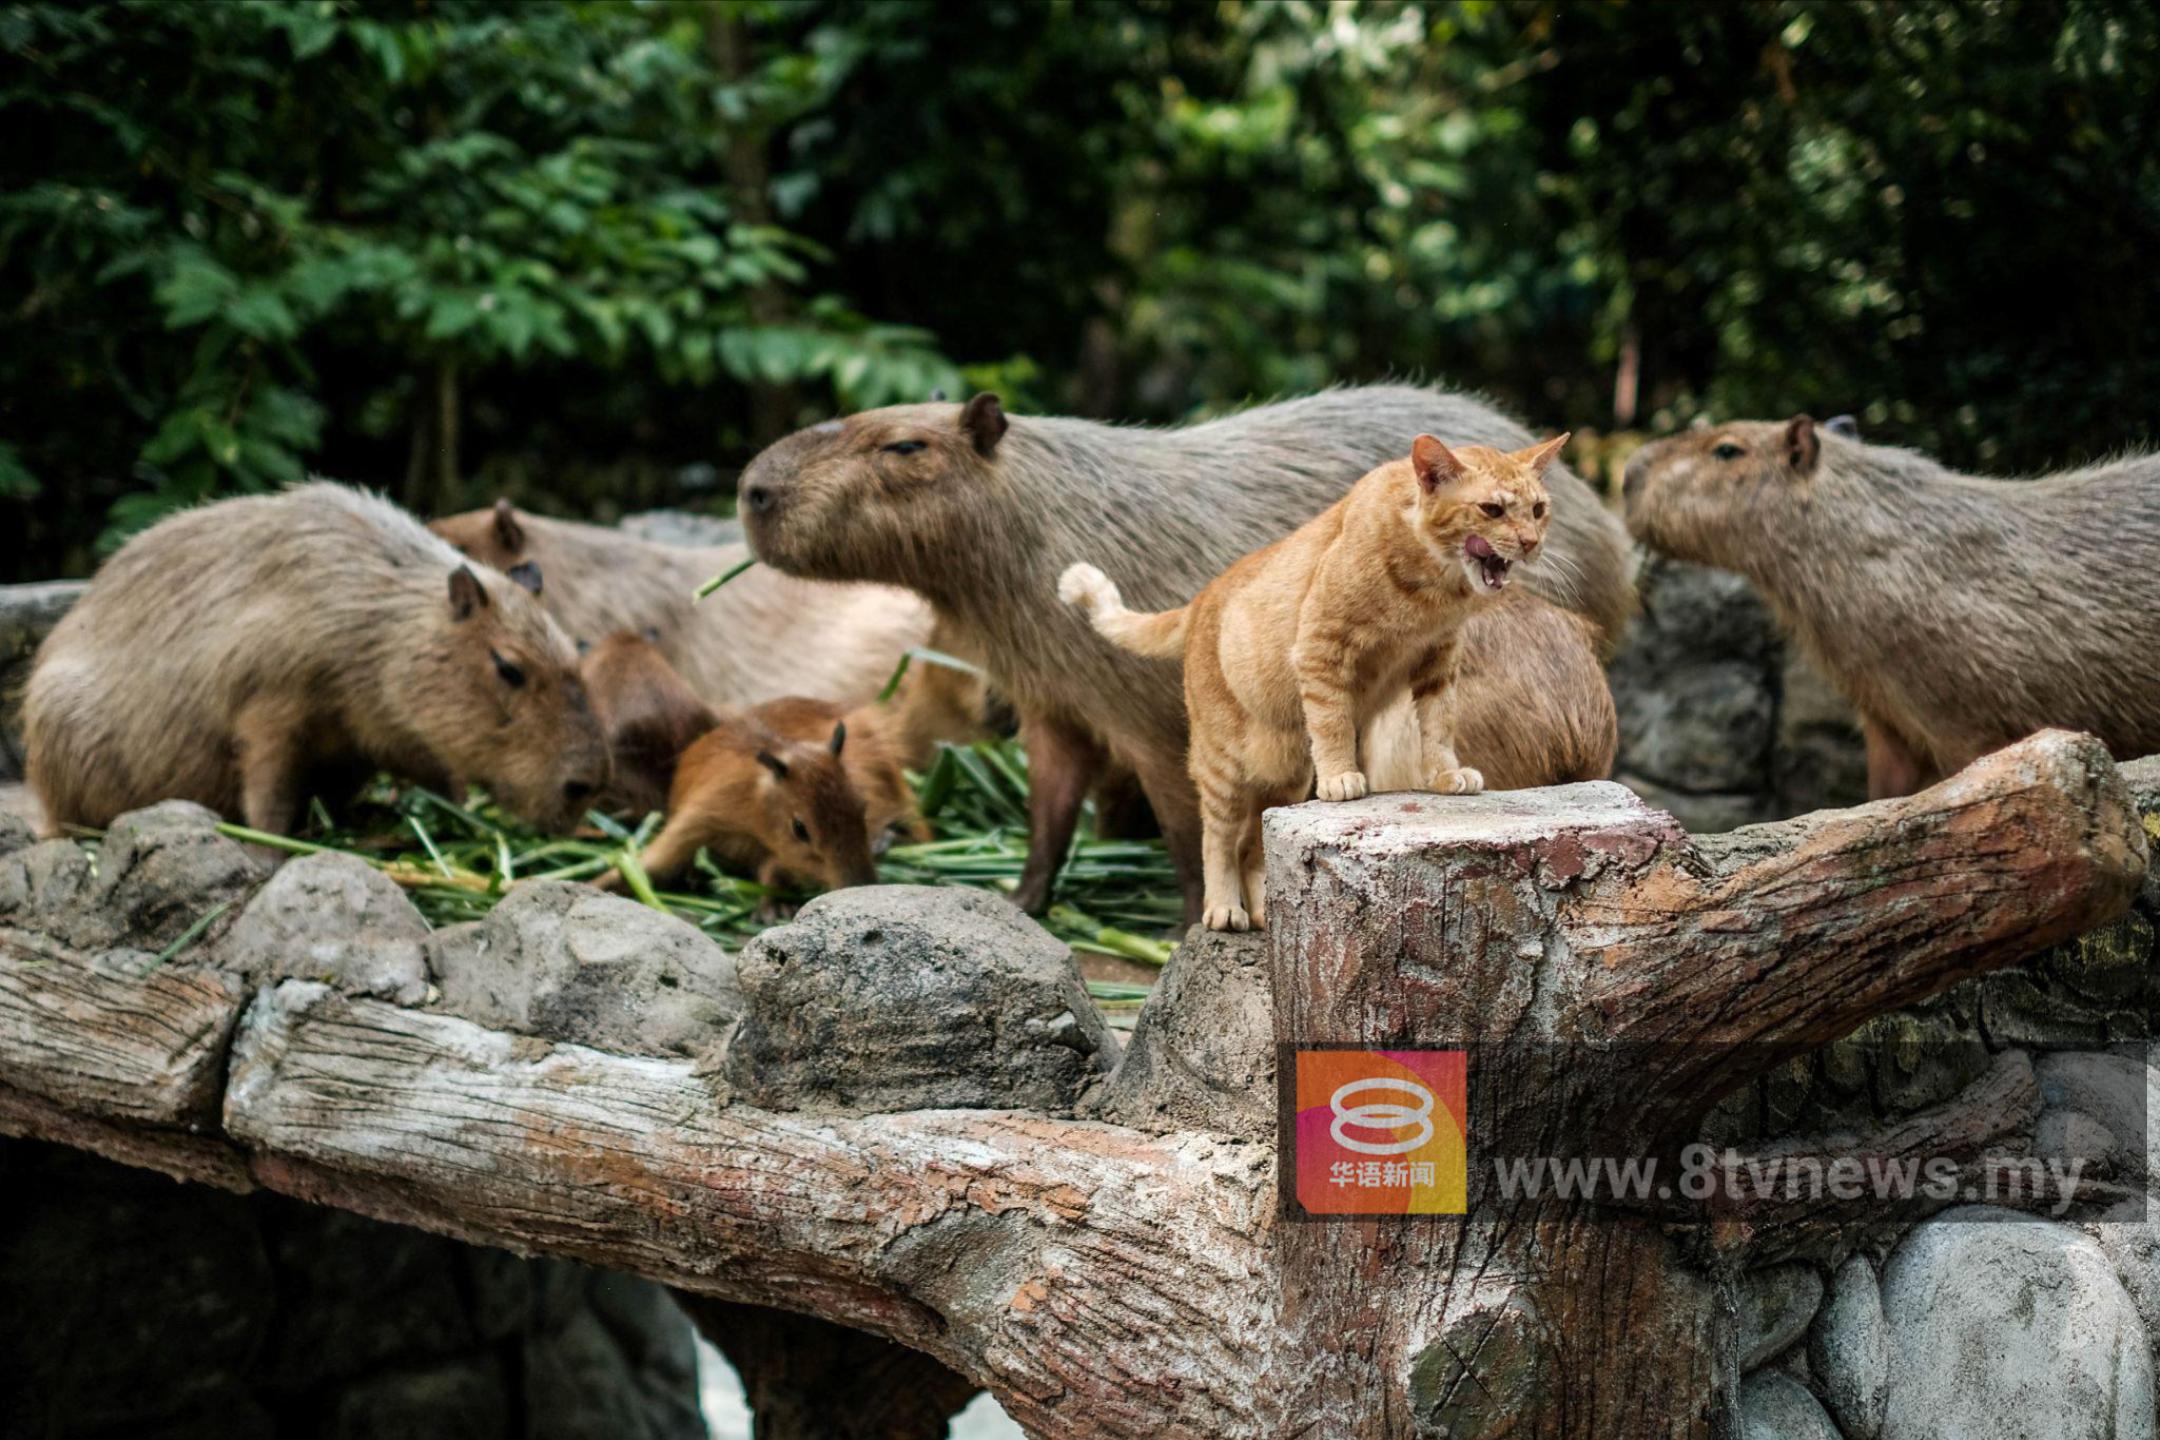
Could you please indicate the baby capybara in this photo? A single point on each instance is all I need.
(650, 716)
(793, 788)
(1957, 613)
(230, 654)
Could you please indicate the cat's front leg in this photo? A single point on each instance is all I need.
(1435, 695)
(1326, 675)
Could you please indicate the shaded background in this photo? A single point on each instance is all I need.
(594, 255)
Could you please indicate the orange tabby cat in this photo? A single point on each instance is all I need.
(1293, 650)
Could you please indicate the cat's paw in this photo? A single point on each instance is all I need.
(1349, 785)
(1087, 587)
(1226, 917)
(1460, 781)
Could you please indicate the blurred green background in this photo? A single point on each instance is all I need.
(593, 255)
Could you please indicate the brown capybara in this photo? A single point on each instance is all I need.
(981, 514)
(793, 788)
(1958, 614)
(758, 637)
(649, 714)
(230, 653)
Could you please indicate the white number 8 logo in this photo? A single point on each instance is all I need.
(1382, 1115)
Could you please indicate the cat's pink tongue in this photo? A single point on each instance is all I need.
(1479, 548)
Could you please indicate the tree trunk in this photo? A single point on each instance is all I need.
(773, 408)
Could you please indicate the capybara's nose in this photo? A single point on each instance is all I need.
(759, 497)
(576, 791)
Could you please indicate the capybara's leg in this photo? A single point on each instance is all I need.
(1121, 808)
(268, 732)
(1893, 767)
(669, 851)
(1063, 762)
(1170, 793)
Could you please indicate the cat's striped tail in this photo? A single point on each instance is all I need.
(1160, 635)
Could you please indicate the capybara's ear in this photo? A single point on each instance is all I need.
(467, 594)
(984, 420)
(1537, 457)
(1846, 426)
(1434, 464)
(507, 529)
(839, 735)
(526, 574)
(773, 763)
(1803, 447)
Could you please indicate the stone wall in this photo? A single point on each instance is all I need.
(132, 1306)
(1721, 721)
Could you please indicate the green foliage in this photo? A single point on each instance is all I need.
(587, 250)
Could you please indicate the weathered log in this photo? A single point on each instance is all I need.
(1104, 1281)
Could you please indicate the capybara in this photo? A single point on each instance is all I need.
(1958, 614)
(1293, 653)
(758, 637)
(792, 788)
(231, 653)
(649, 714)
(981, 514)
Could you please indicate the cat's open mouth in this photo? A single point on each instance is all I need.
(1487, 566)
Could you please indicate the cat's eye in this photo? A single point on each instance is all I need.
(1496, 511)
(511, 675)
(802, 831)
(1537, 511)
(1728, 451)
(903, 447)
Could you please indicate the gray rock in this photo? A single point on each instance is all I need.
(463, 1400)
(2117, 1092)
(1700, 814)
(1775, 1306)
(163, 869)
(1774, 1406)
(15, 833)
(2127, 1236)
(1202, 1056)
(900, 997)
(580, 1383)
(683, 527)
(1704, 728)
(2001, 1325)
(1849, 1351)
(2068, 1137)
(42, 885)
(571, 963)
(27, 615)
(336, 919)
(2024, 1008)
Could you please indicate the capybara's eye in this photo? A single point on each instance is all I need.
(512, 676)
(903, 447)
(1728, 451)
(802, 831)
(1537, 511)
(1496, 511)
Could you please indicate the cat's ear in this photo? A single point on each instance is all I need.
(1537, 457)
(1803, 447)
(1434, 464)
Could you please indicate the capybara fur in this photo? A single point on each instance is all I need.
(761, 636)
(230, 654)
(793, 789)
(981, 514)
(649, 714)
(1957, 613)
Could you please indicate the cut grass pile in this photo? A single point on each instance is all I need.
(456, 860)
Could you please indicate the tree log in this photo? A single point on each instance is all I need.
(1610, 976)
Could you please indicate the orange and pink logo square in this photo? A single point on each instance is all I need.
(1381, 1132)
